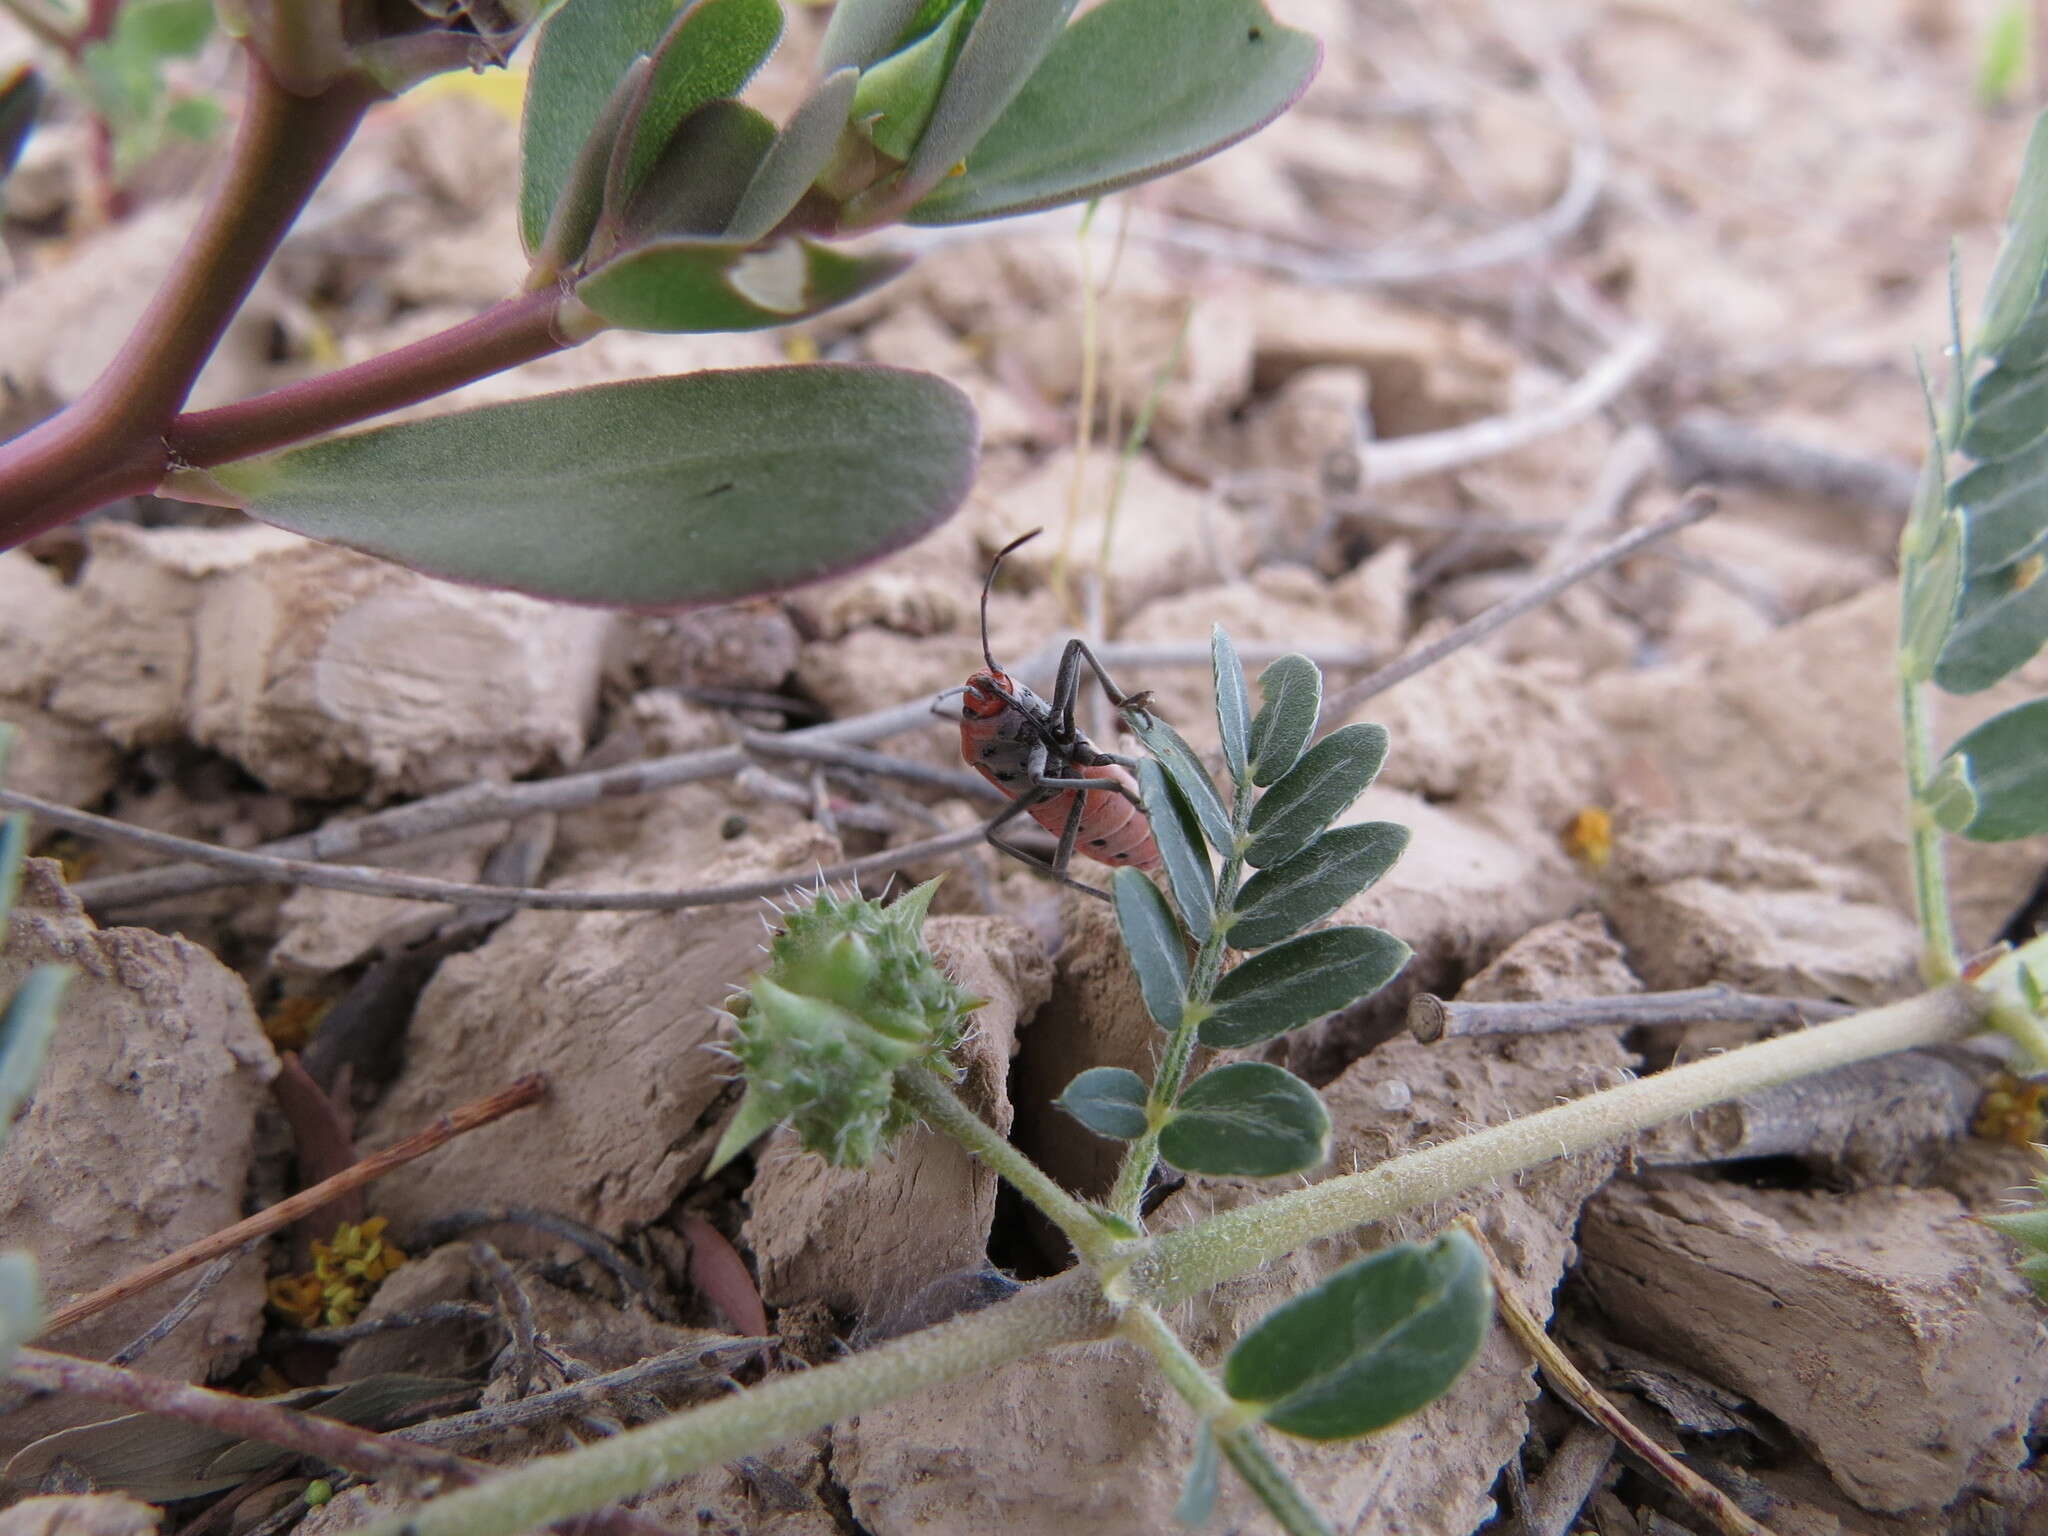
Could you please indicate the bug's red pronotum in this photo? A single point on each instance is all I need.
(1031, 750)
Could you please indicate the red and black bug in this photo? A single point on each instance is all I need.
(1032, 751)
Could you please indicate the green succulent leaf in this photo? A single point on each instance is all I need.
(13, 849)
(1249, 1119)
(1178, 832)
(1008, 41)
(21, 96)
(797, 158)
(1315, 792)
(657, 493)
(709, 52)
(1158, 952)
(584, 49)
(1298, 982)
(1197, 1502)
(701, 285)
(1186, 771)
(2006, 770)
(1233, 709)
(1373, 1343)
(863, 32)
(1290, 703)
(1110, 1101)
(1284, 898)
(580, 204)
(695, 184)
(21, 1304)
(2003, 621)
(1131, 91)
(2014, 289)
(896, 96)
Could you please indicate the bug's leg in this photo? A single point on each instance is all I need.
(1037, 769)
(1077, 651)
(1066, 688)
(1056, 870)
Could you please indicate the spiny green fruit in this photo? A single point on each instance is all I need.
(2029, 1228)
(850, 996)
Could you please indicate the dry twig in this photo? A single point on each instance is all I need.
(525, 1091)
(1570, 1383)
(1432, 1018)
(1694, 507)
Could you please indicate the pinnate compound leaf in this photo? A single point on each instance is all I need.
(21, 95)
(698, 285)
(2003, 621)
(1110, 1101)
(1133, 90)
(21, 1305)
(1250, 1120)
(583, 50)
(1290, 703)
(1182, 850)
(2013, 293)
(1295, 983)
(1158, 952)
(1233, 709)
(656, 493)
(2005, 504)
(1186, 771)
(709, 52)
(2008, 413)
(1315, 792)
(2007, 769)
(1284, 898)
(1373, 1343)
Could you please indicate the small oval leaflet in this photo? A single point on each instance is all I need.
(1249, 1119)
(1285, 898)
(1158, 952)
(1110, 1101)
(1315, 792)
(1300, 981)
(1373, 1343)
(2008, 773)
(1233, 709)
(1181, 848)
(1179, 760)
(1290, 703)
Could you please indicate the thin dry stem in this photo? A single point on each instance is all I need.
(1571, 1384)
(527, 1090)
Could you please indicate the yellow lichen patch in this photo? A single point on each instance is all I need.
(1589, 838)
(290, 1024)
(2013, 1111)
(800, 347)
(345, 1275)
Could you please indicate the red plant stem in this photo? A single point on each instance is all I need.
(515, 331)
(109, 442)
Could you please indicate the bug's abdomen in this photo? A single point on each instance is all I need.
(1113, 831)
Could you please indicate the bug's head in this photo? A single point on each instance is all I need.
(987, 694)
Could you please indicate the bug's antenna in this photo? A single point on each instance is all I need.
(988, 585)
